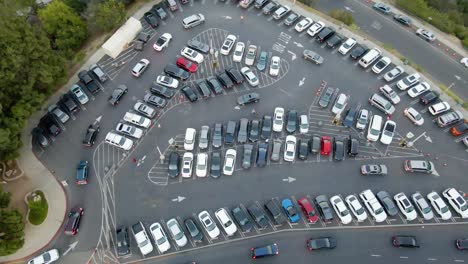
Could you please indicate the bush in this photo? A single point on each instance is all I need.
(37, 208)
(465, 42)
(343, 16)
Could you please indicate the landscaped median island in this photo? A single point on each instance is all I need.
(38, 207)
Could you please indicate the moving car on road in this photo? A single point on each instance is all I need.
(320, 243)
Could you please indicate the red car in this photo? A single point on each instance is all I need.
(325, 144)
(187, 65)
(308, 209)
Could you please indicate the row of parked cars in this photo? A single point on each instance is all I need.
(278, 212)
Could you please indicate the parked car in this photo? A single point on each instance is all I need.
(341, 210)
(394, 73)
(155, 100)
(226, 221)
(405, 206)
(423, 207)
(88, 81)
(381, 65)
(429, 97)
(176, 72)
(123, 241)
(209, 225)
(388, 131)
(258, 215)
(325, 97)
(192, 55)
(251, 78)
(140, 67)
(347, 46)
(91, 134)
(187, 164)
(251, 55)
(173, 165)
(214, 84)
(58, 113)
(290, 148)
(303, 24)
(229, 162)
(291, 19)
(362, 119)
(457, 201)
(419, 89)
(373, 206)
(387, 202)
(254, 130)
(215, 169)
(267, 122)
(390, 94)
(274, 210)
(278, 119)
(151, 19)
(356, 208)
(323, 207)
(358, 51)
(413, 115)
(402, 19)
(159, 237)
(144, 109)
(383, 8)
(315, 28)
(162, 42)
(439, 205)
(189, 93)
(235, 75)
(408, 81)
(338, 149)
(117, 94)
(228, 44)
(276, 150)
(198, 46)
(79, 94)
(46, 257)
(425, 34)
(308, 209)
(262, 154)
(242, 134)
(242, 220)
(194, 231)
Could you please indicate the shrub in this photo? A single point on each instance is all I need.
(38, 208)
(342, 16)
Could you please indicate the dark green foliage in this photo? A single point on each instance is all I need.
(77, 5)
(343, 16)
(307, 2)
(11, 229)
(4, 198)
(38, 209)
(109, 14)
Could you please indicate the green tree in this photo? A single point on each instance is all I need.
(109, 14)
(4, 198)
(11, 229)
(76, 5)
(66, 29)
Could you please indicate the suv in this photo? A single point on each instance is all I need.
(273, 208)
(258, 215)
(382, 104)
(82, 172)
(449, 118)
(123, 242)
(68, 103)
(90, 84)
(419, 166)
(230, 132)
(264, 251)
(58, 113)
(91, 135)
(193, 20)
(98, 72)
(117, 94)
(73, 222)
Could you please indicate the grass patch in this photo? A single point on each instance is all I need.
(343, 16)
(38, 208)
(454, 96)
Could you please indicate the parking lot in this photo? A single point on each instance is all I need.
(145, 192)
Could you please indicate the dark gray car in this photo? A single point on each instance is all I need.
(243, 128)
(217, 140)
(387, 203)
(258, 215)
(275, 211)
(267, 123)
(254, 131)
(276, 151)
(241, 218)
(247, 159)
(215, 169)
(350, 116)
(324, 208)
(262, 154)
(338, 149)
(314, 144)
(325, 98)
(193, 230)
(230, 132)
(291, 124)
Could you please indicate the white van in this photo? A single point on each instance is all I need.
(119, 141)
(371, 56)
(375, 126)
(189, 141)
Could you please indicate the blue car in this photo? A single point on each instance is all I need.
(290, 210)
(82, 173)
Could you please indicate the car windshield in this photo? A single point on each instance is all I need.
(374, 132)
(379, 211)
(360, 211)
(46, 257)
(228, 223)
(444, 209)
(426, 209)
(409, 209)
(409, 81)
(291, 210)
(209, 225)
(344, 212)
(161, 240)
(143, 243)
(346, 45)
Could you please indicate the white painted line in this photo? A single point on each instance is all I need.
(403, 257)
(459, 260)
(374, 255)
(432, 259)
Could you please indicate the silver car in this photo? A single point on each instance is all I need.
(312, 56)
(204, 137)
(58, 113)
(275, 153)
(423, 207)
(243, 128)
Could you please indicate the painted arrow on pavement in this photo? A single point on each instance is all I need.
(70, 248)
(178, 199)
(289, 179)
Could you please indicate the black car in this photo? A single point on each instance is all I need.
(269, 8)
(68, 103)
(117, 94)
(358, 51)
(403, 20)
(303, 149)
(325, 34)
(159, 11)
(217, 139)
(88, 81)
(461, 244)
(176, 72)
(203, 88)
(155, 100)
(161, 90)
(214, 85)
(195, 233)
(73, 222)
(264, 251)
(291, 19)
(190, 93)
(91, 135)
(151, 19)
(326, 97)
(248, 98)
(230, 132)
(314, 144)
(241, 218)
(387, 202)
(338, 149)
(247, 158)
(350, 116)
(50, 124)
(258, 215)
(275, 211)
(324, 208)
(123, 241)
(267, 123)
(353, 147)
(173, 166)
(198, 46)
(405, 241)
(321, 243)
(262, 154)
(254, 132)
(225, 80)
(235, 75)
(335, 40)
(39, 136)
(291, 124)
(429, 97)
(215, 169)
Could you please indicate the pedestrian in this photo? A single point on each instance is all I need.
(254, 112)
(134, 160)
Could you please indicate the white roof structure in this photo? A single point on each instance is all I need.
(122, 37)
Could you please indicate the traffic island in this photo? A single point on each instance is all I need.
(37, 207)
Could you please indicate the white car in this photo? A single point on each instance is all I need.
(226, 221)
(79, 94)
(238, 52)
(162, 42)
(439, 108)
(209, 224)
(409, 81)
(405, 206)
(46, 257)
(278, 119)
(250, 56)
(363, 118)
(388, 132)
(464, 61)
(275, 65)
(142, 239)
(346, 46)
(355, 206)
(118, 141)
(167, 81)
(176, 232)
(159, 237)
(315, 28)
(303, 24)
(250, 76)
(129, 130)
(202, 165)
(423, 207)
(340, 103)
(439, 205)
(189, 140)
(374, 207)
(140, 67)
(394, 73)
(375, 125)
(414, 116)
(228, 44)
(341, 210)
(187, 164)
(281, 12)
(457, 201)
(192, 55)
(303, 124)
(391, 95)
(229, 162)
(290, 148)
(381, 65)
(136, 119)
(144, 109)
(419, 89)
(425, 34)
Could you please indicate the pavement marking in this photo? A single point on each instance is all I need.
(374, 255)
(403, 257)
(432, 259)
